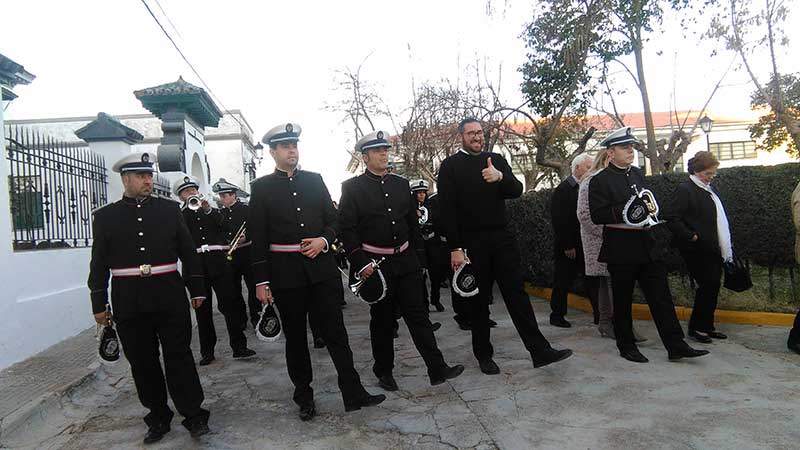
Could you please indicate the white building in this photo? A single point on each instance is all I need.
(229, 148)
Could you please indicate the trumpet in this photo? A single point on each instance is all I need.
(356, 287)
(235, 241)
(195, 202)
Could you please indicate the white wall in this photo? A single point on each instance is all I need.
(45, 298)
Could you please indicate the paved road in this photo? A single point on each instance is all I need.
(746, 395)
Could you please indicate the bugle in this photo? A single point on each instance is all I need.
(235, 241)
(356, 287)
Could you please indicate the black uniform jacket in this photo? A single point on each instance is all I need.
(377, 210)
(609, 191)
(692, 210)
(284, 210)
(564, 215)
(209, 228)
(234, 216)
(467, 201)
(128, 234)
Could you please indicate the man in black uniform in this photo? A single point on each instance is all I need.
(208, 228)
(378, 219)
(473, 186)
(568, 256)
(631, 251)
(138, 241)
(292, 224)
(428, 216)
(235, 214)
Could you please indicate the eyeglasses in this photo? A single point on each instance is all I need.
(474, 133)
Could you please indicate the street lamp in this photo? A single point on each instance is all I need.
(705, 125)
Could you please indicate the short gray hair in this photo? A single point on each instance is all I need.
(579, 159)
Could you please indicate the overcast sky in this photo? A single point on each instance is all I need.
(277, 60)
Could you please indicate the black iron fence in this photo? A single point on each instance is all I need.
(53, 188)
(161, 187)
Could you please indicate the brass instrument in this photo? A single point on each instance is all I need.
(356, 287)
(235, 241)
(194, 202)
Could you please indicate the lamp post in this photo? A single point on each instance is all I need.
(705, 125)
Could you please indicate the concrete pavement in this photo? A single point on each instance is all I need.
(745, 395)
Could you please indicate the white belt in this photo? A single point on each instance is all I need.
(285, 248)
(243, 245)
(145, 270)
(385, 250)
(624, 226)
(211, 248)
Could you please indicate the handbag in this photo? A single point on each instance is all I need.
(737, 275)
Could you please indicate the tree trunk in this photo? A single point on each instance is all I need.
(652, 151)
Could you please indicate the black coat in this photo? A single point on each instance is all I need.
(233, 217)
(128, 234)
(692, 210)
(285, 210)
(609, 191)
(378, 211)
(563, 213)
(209, 228)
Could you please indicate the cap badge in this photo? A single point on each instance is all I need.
(186, 179)
(289, 128)
(380, 135)
(145, 157)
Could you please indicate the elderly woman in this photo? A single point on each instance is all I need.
(592, 239)
(701, 233)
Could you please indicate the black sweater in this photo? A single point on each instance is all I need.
(692, 211)
(468, 202)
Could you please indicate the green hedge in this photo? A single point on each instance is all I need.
(757, 200)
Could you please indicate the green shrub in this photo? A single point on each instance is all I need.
(756, 199)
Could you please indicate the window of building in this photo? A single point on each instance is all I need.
(733, 150)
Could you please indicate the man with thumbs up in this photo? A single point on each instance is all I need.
(474, 185)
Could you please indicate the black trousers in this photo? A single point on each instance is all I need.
(318, 300)
(242, 269)
(403, 293)
(232, 310)
(566, 270)
(172, 330)
(652, 278)
(495, 254)
(706, 269)
(794, 334)
(438, 266)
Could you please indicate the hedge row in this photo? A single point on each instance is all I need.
(757, 200)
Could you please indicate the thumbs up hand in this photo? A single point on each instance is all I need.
(490, 174)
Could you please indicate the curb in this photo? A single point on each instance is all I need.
(33, 412)
(642, 312)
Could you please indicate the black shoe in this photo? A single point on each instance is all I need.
(156, 432)
(365, 401)
(198, 429)
(717, 335)
(560, 322)
(387, 383)
(464, 325)
(319, 343)
(488, 366)
(685, 352)
(206, 359)
(243, 353)
(549, 356)
(436, 326)
(492, 323)
(793, 345)
(633, 355)
(308, 411)
(439, 306)
(700, 337)
(449, 373)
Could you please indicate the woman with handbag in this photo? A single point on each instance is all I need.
(701, 233)
(794, 336)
